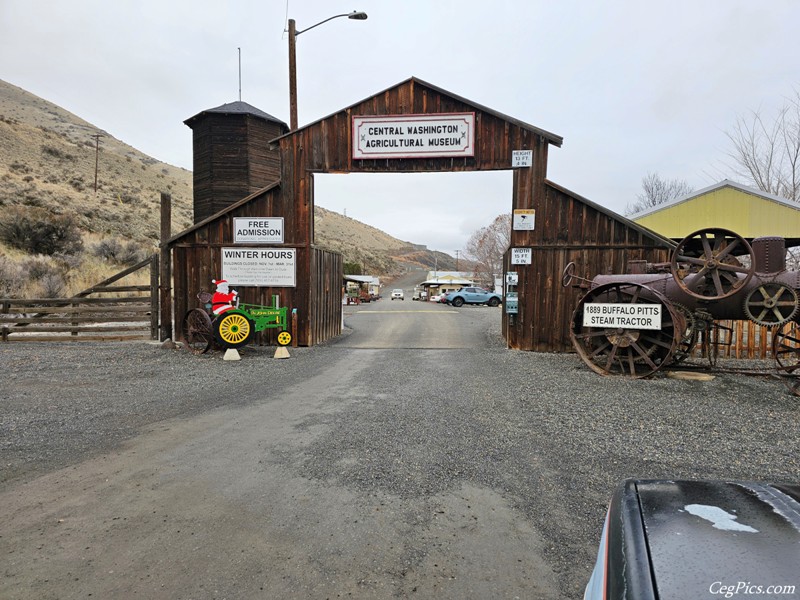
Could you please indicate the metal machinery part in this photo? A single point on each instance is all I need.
(786, 350)
(197, 333)
(705, 264)
(623, 351)
(714, 275)
(771, 304)
(691, 331)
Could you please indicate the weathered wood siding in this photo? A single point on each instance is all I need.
(568, 229)
(197, 260)
(232, 159)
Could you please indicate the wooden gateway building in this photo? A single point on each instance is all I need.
(412, 127)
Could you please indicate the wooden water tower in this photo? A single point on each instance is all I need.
(232, 156)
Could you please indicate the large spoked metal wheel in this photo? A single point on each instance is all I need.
(786, 350)
(771, 304)
(712, 264)
(626, 351)
(233, 329)
(196, 330)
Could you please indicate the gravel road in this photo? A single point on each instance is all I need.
(450, 470)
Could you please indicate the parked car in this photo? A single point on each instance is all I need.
(443, 297)
(436, 298)
(698, 539)
(397, 294)
(473, 295)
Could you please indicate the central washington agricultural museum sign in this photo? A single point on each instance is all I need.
(413, 136)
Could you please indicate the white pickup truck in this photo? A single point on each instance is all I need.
(397, 294)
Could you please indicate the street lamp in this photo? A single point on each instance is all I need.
(293, 33)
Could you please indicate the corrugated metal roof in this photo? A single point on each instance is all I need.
(746, 211)
(717, 186)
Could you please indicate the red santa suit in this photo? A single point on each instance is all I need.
(222, 299)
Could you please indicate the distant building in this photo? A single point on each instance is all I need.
(441, 282)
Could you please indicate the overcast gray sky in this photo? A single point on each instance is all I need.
(633, 86)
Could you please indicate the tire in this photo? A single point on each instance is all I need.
(493, 302)
(458, 301)
(233, 330)
(197, 331)
(284, 338)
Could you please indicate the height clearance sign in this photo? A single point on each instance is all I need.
(622, 316)
(413, 136)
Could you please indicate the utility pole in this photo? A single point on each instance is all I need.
(96, 137)
(457, 253)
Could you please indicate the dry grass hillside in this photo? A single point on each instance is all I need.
(47, 167)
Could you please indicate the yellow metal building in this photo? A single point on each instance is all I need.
(728, 205)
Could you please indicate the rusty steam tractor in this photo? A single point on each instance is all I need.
(636, 323)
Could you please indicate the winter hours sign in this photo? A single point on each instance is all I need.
(265, 267)
(622, 316)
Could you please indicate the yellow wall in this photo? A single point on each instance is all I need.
(746, 214)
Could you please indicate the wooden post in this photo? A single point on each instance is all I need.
(165, 269)
(154, 296)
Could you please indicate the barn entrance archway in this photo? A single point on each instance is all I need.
(568, 228)
(387, 134)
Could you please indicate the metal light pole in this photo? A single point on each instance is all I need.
(293, 33)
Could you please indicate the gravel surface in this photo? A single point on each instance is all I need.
(541, 430)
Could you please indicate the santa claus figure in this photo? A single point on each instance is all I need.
(223, 298)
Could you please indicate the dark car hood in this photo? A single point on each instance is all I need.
(700, 533)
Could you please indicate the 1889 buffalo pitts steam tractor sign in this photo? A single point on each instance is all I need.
(636, 323)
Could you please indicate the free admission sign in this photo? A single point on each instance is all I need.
(413, 136)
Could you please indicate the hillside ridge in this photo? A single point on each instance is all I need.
(49, 159)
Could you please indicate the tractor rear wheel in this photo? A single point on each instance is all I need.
(233, 329)
(196, 330)
(625, 350)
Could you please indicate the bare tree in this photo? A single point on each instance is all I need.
(767, 152)
(487, 246)
(656, 191)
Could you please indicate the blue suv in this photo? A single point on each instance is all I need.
(473, 295)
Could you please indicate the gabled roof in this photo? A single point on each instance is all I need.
(225, 210)
(236, 108)
(552, 138)
(712, 188)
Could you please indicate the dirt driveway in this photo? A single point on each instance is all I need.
(132, 471)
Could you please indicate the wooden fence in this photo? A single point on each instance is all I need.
(104, 312)
(741, 339)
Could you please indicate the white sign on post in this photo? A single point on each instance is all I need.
(524, 219)
(622, 316)
(413, 136)
(263, 230)
(264, 267)
(521, 158)
(521, 256)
